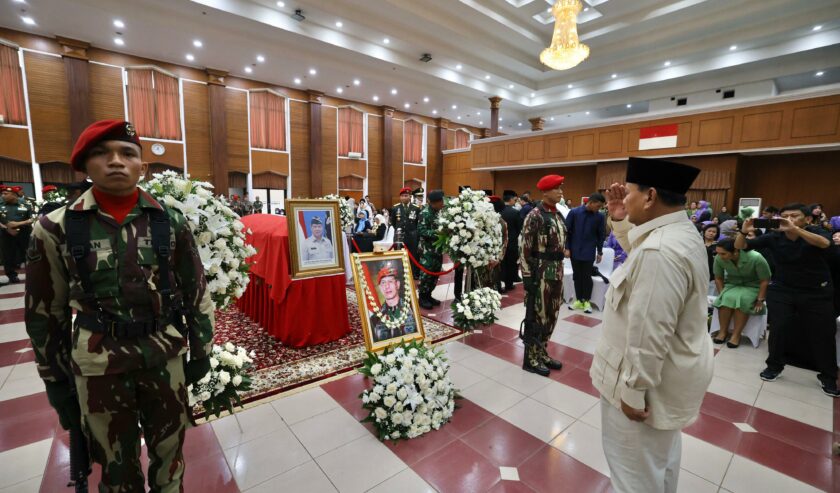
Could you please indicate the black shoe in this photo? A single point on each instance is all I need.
(829, 388)
(732, 346)
(769, 375)
(540, 370)
(14, 280)
(553, 364)
(434, 301)
(425, 303)
(718, 341)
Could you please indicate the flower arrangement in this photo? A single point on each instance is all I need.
(469, 230)
(478, 307)
(51, 193)
(348, 216)
(228, 375)
(219, 235)
(412, 393)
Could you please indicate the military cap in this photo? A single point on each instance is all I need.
(386, 271)
(405, 190)
(49, 188)
(315, 220)
(550, 182)
(98, 132)
(7, 188)
(435, 195)
(498, 205)
(662, 175)
(418, 191)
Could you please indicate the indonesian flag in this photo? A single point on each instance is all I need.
(660, 137)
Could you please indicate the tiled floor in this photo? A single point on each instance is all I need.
(513, 432)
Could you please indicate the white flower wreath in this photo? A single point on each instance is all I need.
(348, 217)
(469, 230)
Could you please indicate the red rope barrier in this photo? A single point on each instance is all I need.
(413, 260)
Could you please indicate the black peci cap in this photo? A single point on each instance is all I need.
(662, 175)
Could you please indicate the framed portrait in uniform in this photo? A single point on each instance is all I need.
(315, 237)
(388, 303)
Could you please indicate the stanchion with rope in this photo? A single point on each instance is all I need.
(413, 260)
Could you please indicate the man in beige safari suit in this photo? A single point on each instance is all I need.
(654, 362)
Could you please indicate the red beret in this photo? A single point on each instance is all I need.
(586, 200)
(405, 190)
(49, 188)
(550, 182)
(385, 272)
(7, 188)
(96, 133)
(494, 198)
(17, 189)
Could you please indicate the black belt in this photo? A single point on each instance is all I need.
(119, 329)
(548, 256)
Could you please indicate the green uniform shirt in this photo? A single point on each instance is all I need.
(15, 212)
(538, 238)
(751, 269)
(427, 229)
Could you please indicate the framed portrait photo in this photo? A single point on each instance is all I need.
(387, 300)
(315, 237)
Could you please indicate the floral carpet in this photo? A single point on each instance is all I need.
(278, 368)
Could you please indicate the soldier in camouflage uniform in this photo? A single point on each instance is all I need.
(16, 218)
(432, 259)
(388, 280)
(144, 307)
(541, 246)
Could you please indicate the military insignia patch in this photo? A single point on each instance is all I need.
(129, 129)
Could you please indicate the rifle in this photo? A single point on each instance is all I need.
(79, 454)
(529, 330)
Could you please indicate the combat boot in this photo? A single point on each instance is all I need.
(532, 362)
(426, 303)
(434, 301)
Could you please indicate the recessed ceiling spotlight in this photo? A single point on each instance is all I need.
(426, 99)
(339, 90)
(548, 9)
(629, 105)
(478, 113)
(586, 9)
(481, 123)
(614, 76)
(570, 86)
(459, 117)
(454, 106)
(510, 86)
(587, 112)
(816, 28)
(552, 118)
(29, 21)
(406, 106)
(733, 47)
(487, 77)
(281, 4)
(820, 73)
(118, 23)
(197, 43)
(297, 80)
(668, 63)
(459, 66)
(338, 23)
(394, 90)
(434, 112)
(260, 58)
(190, 57)
(356, 82)
(386, 40)
(119, 41)
(500, 118)
(375, 97)
(533, 94)
(312, 71)
(519, 124)
(248, 70)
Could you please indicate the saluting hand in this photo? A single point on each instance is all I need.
(634, 414)
(615, 201)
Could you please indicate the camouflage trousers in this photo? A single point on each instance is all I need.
(433, 261)
(113, 405)
(546, 306)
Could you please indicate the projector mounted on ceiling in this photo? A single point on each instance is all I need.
(298, 15)
(426, 58)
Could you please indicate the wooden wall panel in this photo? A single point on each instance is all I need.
(329, 150)
(515, 152)
(173, 155)
(55, 172)
(497, 154)
(536, 149)
(412, 172)
(580, 181)
(106, 93)
(558, 147)
(610, 142)
(434, 166)
(236, 118)
(14, 144)
(479, 156)
(197, 131)
(14, 171)
(274, 162)
(355, 167)
(49, 107)
(299, 125)
(583, 145)
(271, 180)
(375, 161)
(450, 140)
(714, 131)
(778, 179)
(350, 183)
(761, 126)
(396, 160)
(815, 121)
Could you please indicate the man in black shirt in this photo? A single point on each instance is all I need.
(800, 297)
(510, 265)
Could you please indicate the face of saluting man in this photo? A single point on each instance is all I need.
(115, 166)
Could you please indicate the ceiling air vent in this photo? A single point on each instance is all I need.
(682, 101)
(426, 58)
(729, 94)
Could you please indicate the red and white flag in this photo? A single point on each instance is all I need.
(659, 137)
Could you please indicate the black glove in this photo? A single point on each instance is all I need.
(195, 369)
(63, 398)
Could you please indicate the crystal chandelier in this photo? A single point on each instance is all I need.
(566, 51)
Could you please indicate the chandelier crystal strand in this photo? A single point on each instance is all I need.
(566, 50)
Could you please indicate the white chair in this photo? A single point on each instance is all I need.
(599, 287)
(754, 330)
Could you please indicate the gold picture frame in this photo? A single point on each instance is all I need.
(372, 290)
(314, 255)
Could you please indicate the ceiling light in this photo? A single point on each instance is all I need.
(190, 57)
(426, 99)
(312, 71)
(356, 82)
(281, 4)
(586, 9)
(481, 123)
(119, 41)
(629, 105)
(260, 58)
(386, 40)
(614, 76)
(454, 106)
(197, 43)
(519, 124)
(338, 24)
(406, 106)
(820, 73)
(548, 9)
(668, 63)
(566, 50)
(500, 118)
(459, 117)
(459, 66)
(510, 86)
(339, 90)
(248, 70)
(118, 23)
(434, 112)
(393, 91)
(478, 113)
(733, 47)
(487, 77)
(30, 21)
(587, 112)
(297, 80)
(375, 97)
(816, 28)
(552, 118)
(570, 86)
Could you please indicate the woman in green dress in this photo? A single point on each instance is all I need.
(742, 277)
